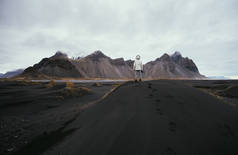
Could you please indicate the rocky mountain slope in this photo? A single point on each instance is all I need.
(98, 65)
(11, 73)
(174, 66)
(58, 65)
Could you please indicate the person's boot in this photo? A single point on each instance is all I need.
(135, 80)
(140, 80)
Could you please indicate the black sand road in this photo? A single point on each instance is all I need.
(157, 117)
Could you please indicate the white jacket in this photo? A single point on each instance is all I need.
(138, 65)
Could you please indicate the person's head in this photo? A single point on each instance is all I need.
(138, 57)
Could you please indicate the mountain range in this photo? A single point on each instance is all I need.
(11, 73)
(98, 65)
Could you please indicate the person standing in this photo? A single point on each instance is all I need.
(138, 68)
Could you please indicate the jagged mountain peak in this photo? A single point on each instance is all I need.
(97, 52)
(96, 55)
(176, 54)
(165, 57)
(177, 57)
(59, 55)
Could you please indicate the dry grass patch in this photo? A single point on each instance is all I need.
(231, 92)
(35, 83)
(51, 84)
(97, 84)
(223, 93)
(72, 91)
(116, 85)
(70, 85)
(76, 92)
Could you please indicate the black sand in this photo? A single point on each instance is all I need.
(154, 117)
(32, 113)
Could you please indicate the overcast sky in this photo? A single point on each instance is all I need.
(203, 30)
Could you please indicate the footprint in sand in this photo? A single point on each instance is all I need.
(149, 85)
(170, 151)
(157, 100)
(172, 126)
(226, 130)
(150, 95)
(159, 111)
